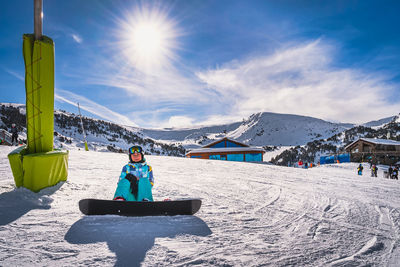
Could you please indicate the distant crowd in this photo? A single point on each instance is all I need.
(391, 173)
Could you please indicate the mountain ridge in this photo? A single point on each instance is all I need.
(262, 129)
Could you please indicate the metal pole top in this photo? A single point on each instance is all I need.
(38, 17)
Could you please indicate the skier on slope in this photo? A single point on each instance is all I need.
(360, 169)
(136, 180)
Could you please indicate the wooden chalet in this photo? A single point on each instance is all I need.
(228, 149)
(383, 151)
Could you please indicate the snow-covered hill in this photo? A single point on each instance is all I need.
(379, 123)
(335, 144)
(263, 215)
(260, 129)
(307, 137)
(101, 135)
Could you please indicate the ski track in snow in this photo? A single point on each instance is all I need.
(252, 214)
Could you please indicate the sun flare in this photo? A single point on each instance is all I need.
(148, 39)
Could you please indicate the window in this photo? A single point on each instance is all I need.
(390, 148)
(253, 157)
(214, 157)
(367, 148)
(235, 157)
(196, 157)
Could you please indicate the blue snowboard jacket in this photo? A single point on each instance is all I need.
(146, 181)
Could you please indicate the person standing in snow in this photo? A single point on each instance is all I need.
(14, 132)
(360, 169)
(136, 180)
(390, 171)
(395, 173)
(374, 171)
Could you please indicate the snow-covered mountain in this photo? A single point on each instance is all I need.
(101, 135)
(260, 129)
(379, 123)
(336, 143)
(309, 136)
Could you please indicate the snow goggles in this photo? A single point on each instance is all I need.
(136, 149)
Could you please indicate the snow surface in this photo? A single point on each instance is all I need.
(252, 214)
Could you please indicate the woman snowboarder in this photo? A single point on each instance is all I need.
(136, 180)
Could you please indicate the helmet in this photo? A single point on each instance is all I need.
(13, 125)
(137, 149)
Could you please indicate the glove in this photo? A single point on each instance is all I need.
(130, 177)
(134, 183)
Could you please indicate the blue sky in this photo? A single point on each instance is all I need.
(161, 64)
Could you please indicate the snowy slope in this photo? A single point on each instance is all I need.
(252, 214)
(285, 129)
(379, 123)
(397, 119)
(260, 129)
(101, 135)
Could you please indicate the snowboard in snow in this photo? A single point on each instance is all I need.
(139, 208)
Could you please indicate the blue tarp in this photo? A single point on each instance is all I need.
(333, 159)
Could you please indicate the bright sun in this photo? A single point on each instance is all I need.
(148, 39)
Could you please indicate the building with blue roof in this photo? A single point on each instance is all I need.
(228, 149)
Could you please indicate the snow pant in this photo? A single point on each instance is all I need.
(144, 190)
(14, 136)
(359, 172)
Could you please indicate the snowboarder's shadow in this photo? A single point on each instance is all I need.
(131, 237)
(17, 203)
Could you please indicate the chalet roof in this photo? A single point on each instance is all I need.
(225, 139)
(226, 149)
(376, 141)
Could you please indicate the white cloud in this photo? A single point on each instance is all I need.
(15, 74)
(168, 85)
(298, 79)
(220, 119)
(179, 122)
(302, 80)
(77, 38)
(92, 107)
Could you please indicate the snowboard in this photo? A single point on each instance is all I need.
(139, 208)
